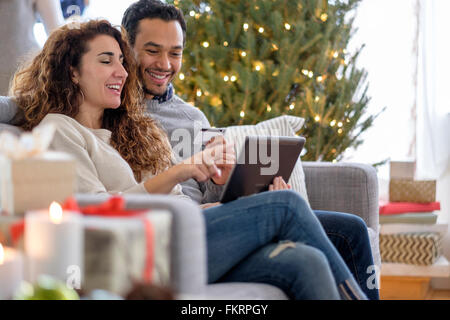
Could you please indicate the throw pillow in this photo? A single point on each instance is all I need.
(280, 126)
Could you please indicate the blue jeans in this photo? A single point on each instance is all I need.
(280, 229)
(349, 235)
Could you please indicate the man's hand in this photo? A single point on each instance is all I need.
(279, 184)
(225, 157)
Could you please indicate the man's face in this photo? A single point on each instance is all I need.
(159, 50)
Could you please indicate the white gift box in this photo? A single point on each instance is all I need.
(402, 170)
(121, 250)
(34, 182)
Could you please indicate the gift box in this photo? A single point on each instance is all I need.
(123, 247)
(408, 207)
(402, 170)
(418, 191)
(417, 248)
(12, 231)
(34, 182)
(410, 218)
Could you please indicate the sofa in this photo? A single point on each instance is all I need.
(343, 187)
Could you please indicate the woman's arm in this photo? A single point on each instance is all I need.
(50, 12)
(201, 167)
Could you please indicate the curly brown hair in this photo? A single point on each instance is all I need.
(45, 86)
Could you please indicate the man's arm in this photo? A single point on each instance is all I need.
(8, 109)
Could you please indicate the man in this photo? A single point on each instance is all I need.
(157, 33)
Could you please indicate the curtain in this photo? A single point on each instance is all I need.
(433, 90)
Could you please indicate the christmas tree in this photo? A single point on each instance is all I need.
(248, 61)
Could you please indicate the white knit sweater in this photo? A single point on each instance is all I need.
(100, 167)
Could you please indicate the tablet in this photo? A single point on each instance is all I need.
(260, 161)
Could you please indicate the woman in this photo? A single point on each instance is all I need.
(84, 81)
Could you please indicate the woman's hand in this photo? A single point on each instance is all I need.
(203, 165)
(279, 184)
(226, 157)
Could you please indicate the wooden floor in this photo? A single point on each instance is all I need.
(410, 288)
(438, 295)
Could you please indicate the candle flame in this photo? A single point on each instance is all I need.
(55, 212)
(2, 254)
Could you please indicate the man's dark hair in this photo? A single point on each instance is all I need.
(150, 9)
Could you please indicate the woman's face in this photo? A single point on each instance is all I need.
(101, 75)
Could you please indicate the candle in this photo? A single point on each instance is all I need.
(11, 271)
(54, 244)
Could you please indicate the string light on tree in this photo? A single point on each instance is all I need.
(199, 93)
(225, 43)
(243, 54)
(245, 26)
(258, 65)
(269, 108)
(261, 30)
(226, 78)
(317, 118)
(233, 78)
(333, 123)
(324, 17)
(319, 79)
(292, 106)
(340, 124)
(205, 44)
(287, 26)
(242, 114)
(192, 13)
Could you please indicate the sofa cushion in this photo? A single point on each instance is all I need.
(12, 129)
(280, 126)
(243, 291)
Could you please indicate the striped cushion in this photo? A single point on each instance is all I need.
(280, 126)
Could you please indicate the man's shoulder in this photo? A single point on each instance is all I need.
(195, 112)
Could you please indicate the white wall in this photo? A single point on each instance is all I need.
(387, 28)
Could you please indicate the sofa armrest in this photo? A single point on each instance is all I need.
(188, 256)
(343, 187)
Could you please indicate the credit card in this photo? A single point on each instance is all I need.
(209, 133)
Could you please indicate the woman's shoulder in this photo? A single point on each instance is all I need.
(65, 126)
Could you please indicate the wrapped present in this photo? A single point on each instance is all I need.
(123, 247)
(402, 170)
(32, 177)
(12, 231)
(408, 207)
(423, 191)
(417, 248)
(411, 218)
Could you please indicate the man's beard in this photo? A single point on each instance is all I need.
(149, 92)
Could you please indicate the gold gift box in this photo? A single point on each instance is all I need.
(418, 191)
(34, 182)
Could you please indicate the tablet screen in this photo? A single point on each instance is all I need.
(259, 162)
